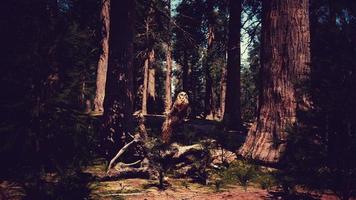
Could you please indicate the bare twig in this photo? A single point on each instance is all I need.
(129, 164)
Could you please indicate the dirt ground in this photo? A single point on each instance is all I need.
(180, 189)
(183, 189)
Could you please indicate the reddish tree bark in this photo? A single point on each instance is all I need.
(285, 61)
(103, 59)
(168, 88)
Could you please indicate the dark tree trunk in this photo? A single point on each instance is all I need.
(222, 92)
(186, 73)
(285, 61)
(119, 95)
(232, 114)
(103, 59)
(209, 93)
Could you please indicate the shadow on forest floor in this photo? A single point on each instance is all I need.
(49, 186)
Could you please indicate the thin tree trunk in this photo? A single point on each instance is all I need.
(151, 90)
(232, 114)
(119, 95)
(103, 59)
(145, 86)
(209, 98)
(186, 74)
(285, 60)
(168, 89)
(222, 92)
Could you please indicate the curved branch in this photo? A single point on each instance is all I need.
(121, 151)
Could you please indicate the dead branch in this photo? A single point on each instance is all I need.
(119, 153)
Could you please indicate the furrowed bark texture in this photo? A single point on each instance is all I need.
(103, 59)
(232, 114)
(285, 62)
(119, 95)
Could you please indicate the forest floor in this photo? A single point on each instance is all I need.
(86, 185)
(183, 189)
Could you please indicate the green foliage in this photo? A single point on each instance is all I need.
(250, 84)
(266, 180)
(245, 174)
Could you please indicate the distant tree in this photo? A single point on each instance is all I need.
(285, 63)
(103, 59)
(149, 94)
(168, 80)
(209, 100)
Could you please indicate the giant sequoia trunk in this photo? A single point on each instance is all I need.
(232, 114)
(119, 94)
(285, 62)
(103, 59)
